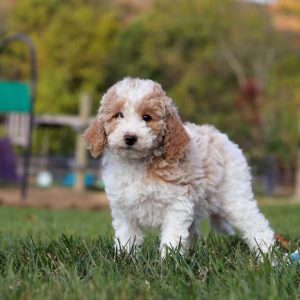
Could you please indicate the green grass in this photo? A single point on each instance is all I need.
(48, 254)
(48, 224)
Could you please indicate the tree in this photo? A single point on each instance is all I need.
(205, 61)
(73, 41)
(286, 17)
(221, 61)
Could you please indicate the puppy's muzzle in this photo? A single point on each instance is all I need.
(130, 140)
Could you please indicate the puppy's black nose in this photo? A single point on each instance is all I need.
(130, 139)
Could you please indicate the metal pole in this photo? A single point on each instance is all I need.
(33, 80)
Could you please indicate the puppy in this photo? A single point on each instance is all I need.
(159, 172)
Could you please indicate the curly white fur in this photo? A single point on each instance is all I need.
(209, 177)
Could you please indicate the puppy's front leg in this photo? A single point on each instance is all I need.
(175, 228)
(127, 234)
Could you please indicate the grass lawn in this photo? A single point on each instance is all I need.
(68, 254)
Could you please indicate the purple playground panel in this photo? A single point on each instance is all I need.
(7, 162)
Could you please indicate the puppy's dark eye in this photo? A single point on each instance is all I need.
(119, 115)
(146, 118)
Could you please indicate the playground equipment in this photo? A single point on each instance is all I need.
(78, 179)
(17, 102)
(19, 98)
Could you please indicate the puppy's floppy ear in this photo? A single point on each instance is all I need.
(95, 137)
(176, 138)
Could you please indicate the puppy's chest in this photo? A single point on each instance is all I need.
(129, 189)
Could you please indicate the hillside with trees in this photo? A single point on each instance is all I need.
(223, 62)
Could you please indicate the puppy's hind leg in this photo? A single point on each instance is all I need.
(194, 231)
(238, 206)
(243, 214)
(220, 225)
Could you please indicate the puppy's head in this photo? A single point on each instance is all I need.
(136, 120)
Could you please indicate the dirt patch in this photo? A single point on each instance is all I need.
(64, 198)
(56, 197)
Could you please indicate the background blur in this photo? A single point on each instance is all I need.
(233, 64)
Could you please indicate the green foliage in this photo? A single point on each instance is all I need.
(73, 41)
(38, 262)
(202, 52)
(189, 46)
